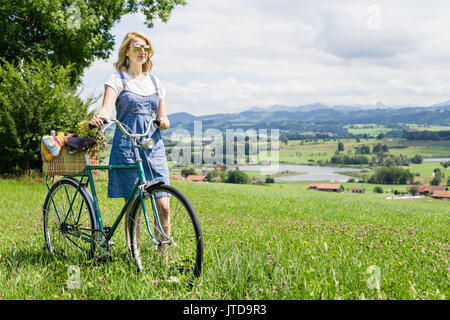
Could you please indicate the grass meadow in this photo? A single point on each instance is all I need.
(277, 241)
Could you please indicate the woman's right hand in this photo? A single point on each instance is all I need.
(107, 108)
(96, 121)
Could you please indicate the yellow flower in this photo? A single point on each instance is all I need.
(306, 242)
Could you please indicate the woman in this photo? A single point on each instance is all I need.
(137, 97)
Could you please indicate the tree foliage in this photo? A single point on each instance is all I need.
(44, 48)
(35, 97)
(346, 159)
(391, 175)
(427, 135)
(188, 172)
(417, 159)
(237, 176)
(436, 179)
(69, 31)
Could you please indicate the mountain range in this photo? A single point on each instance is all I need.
(438, 114)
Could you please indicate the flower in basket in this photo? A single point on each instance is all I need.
(82, 130)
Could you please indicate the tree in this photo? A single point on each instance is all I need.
(362, 149)
(417, 159)
(237, 176)
(269, 179)
(44, 48)
(284, 139)
(437, 178)
(35, 97)
(69, 31)
(212, 174)
(187, 172)
(379, 148)
(414, 190)
(340, 146)
(378, 189)
(391, 175)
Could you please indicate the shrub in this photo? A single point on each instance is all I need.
(35, 97)
(391, 175)
(417, 159)
(187, 172)
(413, 190)
(378, 189)
(212, 174)
(237, 176)
(437, 179)
(269, 180)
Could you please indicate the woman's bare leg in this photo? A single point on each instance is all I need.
(163, 206)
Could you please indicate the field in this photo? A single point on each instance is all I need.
(277, 241)
(313, 152)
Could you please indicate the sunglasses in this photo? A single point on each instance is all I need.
(138, 47)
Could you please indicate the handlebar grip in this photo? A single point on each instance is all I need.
(105, 121)
(157, 122)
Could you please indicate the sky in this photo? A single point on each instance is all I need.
(230, 56)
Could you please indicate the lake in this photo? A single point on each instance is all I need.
(309, 173)
(436, 159)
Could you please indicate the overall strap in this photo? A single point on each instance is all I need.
(154, 83)
(123, 81)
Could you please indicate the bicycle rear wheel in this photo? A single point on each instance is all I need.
(173, 235)
(69, 220)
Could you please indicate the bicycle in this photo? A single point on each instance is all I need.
(72, 217)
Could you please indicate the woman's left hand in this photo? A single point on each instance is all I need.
(162, 115)
(164, 123)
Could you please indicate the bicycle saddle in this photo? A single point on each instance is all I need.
(80, 143)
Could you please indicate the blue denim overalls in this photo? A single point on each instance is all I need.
(136, 111)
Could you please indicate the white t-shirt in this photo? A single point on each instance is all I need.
(143, 87)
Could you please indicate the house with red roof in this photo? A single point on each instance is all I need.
(196, 178)
(176, 177)
(330, 187)
(427, 190)
(441, 195)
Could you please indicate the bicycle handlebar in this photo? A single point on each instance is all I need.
(110, 121)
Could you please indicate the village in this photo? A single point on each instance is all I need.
(436, 192)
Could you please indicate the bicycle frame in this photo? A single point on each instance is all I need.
(87, 173)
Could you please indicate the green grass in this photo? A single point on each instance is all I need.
(428, 127)
(371, 129)
(302, 152)
(433, 151)
(277, 241)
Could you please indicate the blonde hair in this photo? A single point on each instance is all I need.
(122, 65)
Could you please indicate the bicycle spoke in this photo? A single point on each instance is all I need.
(175, 228)
(68, 220)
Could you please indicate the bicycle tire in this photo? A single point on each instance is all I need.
(66, 230)
(185, 253)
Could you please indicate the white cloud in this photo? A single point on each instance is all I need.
(230, 56)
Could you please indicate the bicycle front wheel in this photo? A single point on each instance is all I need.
(68, 216)
(166, 228)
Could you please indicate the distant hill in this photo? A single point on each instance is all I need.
(181, 117)
(320, 113)
(317, 120)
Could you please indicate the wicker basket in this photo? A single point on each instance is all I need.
(66, 164)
